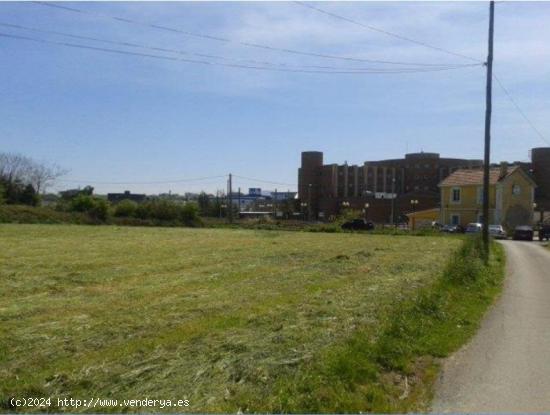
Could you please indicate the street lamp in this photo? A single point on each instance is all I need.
(414, 202)
(366, 210)
(303, 205)
(541, 219)
(392, 200)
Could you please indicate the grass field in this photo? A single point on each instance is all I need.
(223, 318)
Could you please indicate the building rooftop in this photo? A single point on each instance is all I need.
(464, 177)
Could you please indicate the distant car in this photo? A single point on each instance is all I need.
(544, 232)
(497, 232)
(452, 229)
(474, 228)
(358, 225)
(523, 233)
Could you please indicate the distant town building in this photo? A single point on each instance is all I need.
(117, 197)
(379, 187)
(260, 200)
(387, 190)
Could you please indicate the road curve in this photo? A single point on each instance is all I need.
(506, 366)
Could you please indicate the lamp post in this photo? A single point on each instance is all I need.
(366, 210)
(392, 201)
(303, 205)
(345, 205)
(541, 218)
(414, 202)
(309, 186)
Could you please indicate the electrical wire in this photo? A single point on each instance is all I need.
(518, 108)
(186, 53)
(386, 32)
(227, 40)
(144, 183)
(230, 65)
(263, 181)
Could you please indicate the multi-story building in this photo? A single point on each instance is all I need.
(387, 189)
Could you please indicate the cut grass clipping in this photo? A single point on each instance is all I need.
(395, 372)
(234, 319)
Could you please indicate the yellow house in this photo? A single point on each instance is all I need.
(511, 197)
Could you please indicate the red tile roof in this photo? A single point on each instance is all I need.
(465, 177)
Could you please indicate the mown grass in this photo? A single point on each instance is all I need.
(231, 319)
(394, 369)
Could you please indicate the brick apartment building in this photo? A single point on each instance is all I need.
(386, 187)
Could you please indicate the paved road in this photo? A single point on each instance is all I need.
(506, 366)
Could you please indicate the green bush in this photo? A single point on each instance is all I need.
(126, 208)
(100, 210)
(96, 208)
(81, 203)
(168, 211)
(189, 213)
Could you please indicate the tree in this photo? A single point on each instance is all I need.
(204, 204)
(29, 196)
(18, 171)
(42, 175)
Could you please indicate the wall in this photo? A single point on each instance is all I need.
(470, 206)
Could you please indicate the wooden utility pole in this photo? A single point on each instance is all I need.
(488, 108)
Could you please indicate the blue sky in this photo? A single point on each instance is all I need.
(116, 118)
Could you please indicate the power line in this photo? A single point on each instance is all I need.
(227, 40)
(518, 108)
(386, 32)
(264, 181)
(229, 65)
(202, 55)
(144, 183)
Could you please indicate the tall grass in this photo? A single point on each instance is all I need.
(394, 370)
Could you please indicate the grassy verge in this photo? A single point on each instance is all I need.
(48, 215)
(45, 215)
(394, 370)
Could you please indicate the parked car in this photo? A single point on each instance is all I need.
(452, 229)
(523, 233)
(497, 232)
(474, 228)
(358, 225)
(544, 232)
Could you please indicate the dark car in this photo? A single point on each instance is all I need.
(523, 233)
(544, 232)
(358, 225)
(452, 229)
(474, 228)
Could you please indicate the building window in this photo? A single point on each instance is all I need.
(455, 195)
(480, 195)
(516, 190)
(455, 219)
